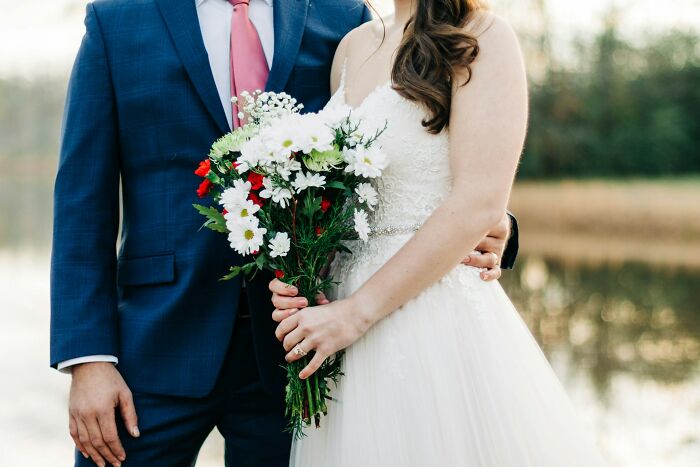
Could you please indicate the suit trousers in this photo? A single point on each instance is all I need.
(251, 420)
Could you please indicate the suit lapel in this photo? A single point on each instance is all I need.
(182, 23)
(290, 19)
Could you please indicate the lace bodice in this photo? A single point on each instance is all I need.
(418, 177)
(414, 184)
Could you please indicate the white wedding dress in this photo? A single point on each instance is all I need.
(454, 377)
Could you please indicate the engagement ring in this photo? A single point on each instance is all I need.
(299, 351)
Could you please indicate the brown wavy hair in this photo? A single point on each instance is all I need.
(434, 50)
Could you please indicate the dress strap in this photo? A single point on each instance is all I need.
(343, 73)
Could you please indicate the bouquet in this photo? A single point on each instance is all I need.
(291, 190)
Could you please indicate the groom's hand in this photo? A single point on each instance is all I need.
(97, 390)
(490, 250)
(286, 302)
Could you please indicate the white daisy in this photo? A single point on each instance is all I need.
(281, 196)
(242, 211)
(285, 168)
(282, 137)
(308, 180)
(245, 237)
(334, 115)
(365, 162)
(254, 153)
(280, 245)
(314, 134)
(268, 187)
(367, 194)
(362, 224)
(236, 195)
(278, 194)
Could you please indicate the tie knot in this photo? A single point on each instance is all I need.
(235, 3)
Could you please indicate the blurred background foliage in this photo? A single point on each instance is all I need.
(613, 108)
(623, 110)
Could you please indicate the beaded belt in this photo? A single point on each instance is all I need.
(395, 230)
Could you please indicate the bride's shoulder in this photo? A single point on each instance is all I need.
(492, 31)
(357, 38)
(361, 35)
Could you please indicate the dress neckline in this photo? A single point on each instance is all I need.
(343, 94)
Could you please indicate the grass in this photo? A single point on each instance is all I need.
(655, 221)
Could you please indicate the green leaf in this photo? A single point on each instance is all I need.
(216, 226)
(260, 261)
(215, 219)
(233, 273)
(311, 206)
(213, 177)
(336, 184)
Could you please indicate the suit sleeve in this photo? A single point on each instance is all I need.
(511, 251)
(86, 210)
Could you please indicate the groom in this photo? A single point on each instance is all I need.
(160, 351)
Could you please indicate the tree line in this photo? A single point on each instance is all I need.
(621, 110)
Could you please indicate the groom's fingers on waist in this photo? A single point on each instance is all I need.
(280, 288)
(491, 274)
(491, 244)
(487, 261)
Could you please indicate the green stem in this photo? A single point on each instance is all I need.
(312, 408)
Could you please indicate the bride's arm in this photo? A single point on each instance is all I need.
(487, 130)
(488, 125)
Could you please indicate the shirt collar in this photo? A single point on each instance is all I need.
(199, 2)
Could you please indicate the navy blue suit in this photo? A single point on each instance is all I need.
(142, 109)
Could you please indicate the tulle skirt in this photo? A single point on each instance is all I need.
(453, 378)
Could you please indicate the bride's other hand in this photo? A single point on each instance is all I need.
(324, 329)
(286, 301)
(489, 251)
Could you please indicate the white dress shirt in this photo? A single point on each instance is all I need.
(215, 23)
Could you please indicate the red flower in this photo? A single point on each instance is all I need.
(319, 231)
(255, 199)
(279, 274)
(256, 180)
(235, 165)
(255, 253)
(204, 188)
(224, 212)
(325, 204)
(204, 168)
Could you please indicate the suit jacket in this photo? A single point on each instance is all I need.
(142, 110)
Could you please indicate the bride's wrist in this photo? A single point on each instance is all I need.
(363, 311)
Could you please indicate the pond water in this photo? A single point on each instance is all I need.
(624, 340)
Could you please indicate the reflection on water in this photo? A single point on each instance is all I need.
(627, 319)
(624, 340)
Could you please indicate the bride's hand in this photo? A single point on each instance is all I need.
(324, 329)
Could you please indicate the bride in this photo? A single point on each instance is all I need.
(439, 368)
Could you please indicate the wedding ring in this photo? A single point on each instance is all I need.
(299, 351)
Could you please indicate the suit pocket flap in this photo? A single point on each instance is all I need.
(146, 270)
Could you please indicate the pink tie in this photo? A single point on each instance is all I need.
(248, 65)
